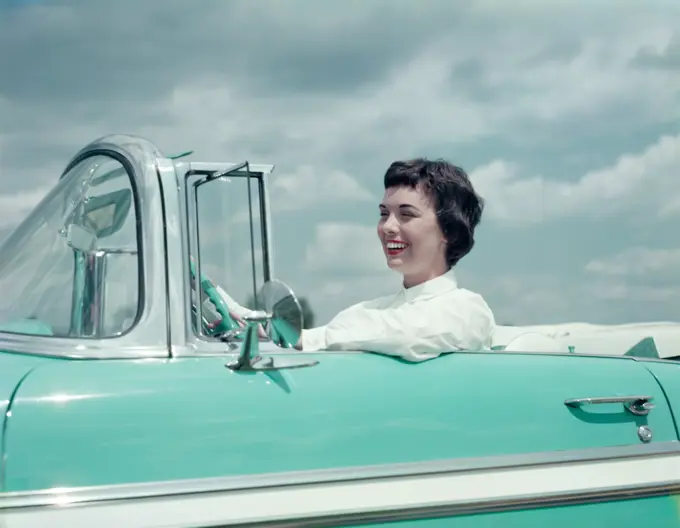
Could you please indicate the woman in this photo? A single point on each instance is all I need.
(427, 221)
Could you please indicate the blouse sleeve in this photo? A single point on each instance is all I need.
(414, 331)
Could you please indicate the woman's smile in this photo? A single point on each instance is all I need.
(395, 247)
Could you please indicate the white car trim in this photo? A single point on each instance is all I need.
(326, 498)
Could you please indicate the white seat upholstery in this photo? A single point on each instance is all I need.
(585, 338)
(534, 342)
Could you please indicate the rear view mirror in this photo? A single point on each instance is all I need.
(81, 238)
(107, 213)
(104, 214)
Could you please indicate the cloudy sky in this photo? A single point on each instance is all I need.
(566, 114)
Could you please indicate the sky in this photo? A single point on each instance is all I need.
(566, 115)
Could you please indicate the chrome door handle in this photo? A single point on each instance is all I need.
(637, 405)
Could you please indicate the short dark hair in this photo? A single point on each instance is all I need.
(458, 207)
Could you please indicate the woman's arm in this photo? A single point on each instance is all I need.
(414, 331)
(312, 339)
(234, 307)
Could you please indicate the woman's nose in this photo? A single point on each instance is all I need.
(390, 225)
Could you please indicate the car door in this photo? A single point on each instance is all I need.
(123, 421)
(92, 423)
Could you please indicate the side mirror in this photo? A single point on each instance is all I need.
(285, 324)
(283, 321)
(81, 238)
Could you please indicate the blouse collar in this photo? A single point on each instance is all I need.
(432, 287)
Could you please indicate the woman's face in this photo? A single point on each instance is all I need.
(411, 238)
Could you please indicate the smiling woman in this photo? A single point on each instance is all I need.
(427, 221)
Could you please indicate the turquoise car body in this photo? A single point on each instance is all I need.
(151, 427)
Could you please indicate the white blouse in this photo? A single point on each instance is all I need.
(418, 323)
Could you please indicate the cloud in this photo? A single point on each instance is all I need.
(542, 297)
(318, 79)
(636, 284)
(332, 93)
(663, 58)
(643, 277)
(645, 183)
(209, 34)
(638, 262)
(14, 207)
(345, 249)
(620, 291)
(336, 294)
(311, 187)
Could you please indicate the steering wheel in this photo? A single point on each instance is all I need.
(227, 322)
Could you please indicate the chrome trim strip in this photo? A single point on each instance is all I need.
(118, 515)
(183, 271)
(335, 475)
(672, 360)
(558, 478)
(5, 425)
(211, 166)
(253, 249)
(525, 503)
(266, 227)
(165, 171)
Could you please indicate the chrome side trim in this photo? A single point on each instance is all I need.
(362, 494)
(173, 515)
(525, 503)
(5, 425)
(82, 353)
(266, 226)
(174, 252)
(210, 166)
(672, 360)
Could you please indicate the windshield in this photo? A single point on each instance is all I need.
(71, 268)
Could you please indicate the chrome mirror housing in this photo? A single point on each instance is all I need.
(282, 320)
(81, 238)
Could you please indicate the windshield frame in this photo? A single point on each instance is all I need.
(147, 337)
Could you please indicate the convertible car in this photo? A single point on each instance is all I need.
(138, 391)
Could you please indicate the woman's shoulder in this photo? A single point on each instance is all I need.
(376, 303)
(475, 306)
(458, 301)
